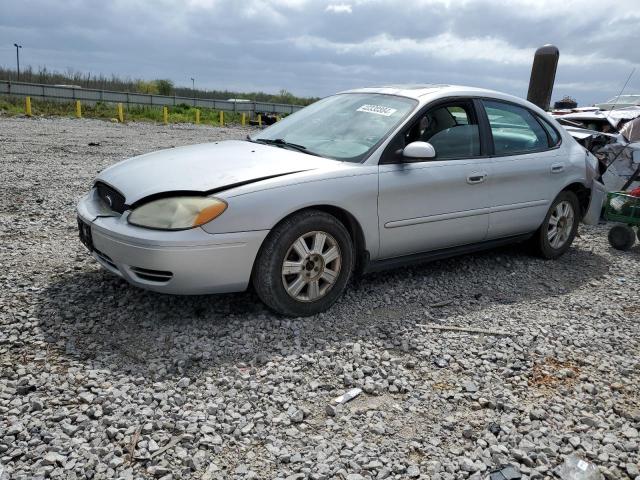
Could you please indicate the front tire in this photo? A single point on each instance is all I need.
(557, 232)
(304, 264)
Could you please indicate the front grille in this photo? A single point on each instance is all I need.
(111, 197)
(159, 276)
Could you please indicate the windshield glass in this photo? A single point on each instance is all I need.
(344, 127)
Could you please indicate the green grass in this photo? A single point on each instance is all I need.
(179, 114)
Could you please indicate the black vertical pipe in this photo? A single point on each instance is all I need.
(543, 75)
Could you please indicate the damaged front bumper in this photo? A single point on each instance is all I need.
(594, 211)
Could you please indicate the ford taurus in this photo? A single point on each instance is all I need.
(359, 181)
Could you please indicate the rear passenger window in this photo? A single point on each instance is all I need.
(514, 129)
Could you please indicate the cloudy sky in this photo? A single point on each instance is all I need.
(313, 47)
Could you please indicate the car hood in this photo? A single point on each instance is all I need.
(205, 167)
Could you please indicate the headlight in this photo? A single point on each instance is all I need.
(177, 213)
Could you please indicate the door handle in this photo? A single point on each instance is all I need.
(476, 177)
(557, 168)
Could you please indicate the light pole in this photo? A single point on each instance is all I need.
(18, 47)
(193, 88)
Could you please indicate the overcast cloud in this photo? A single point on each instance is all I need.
(315, 48)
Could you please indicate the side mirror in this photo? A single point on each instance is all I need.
(419, 151)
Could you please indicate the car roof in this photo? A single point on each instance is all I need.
(428, 92)
(404, 90)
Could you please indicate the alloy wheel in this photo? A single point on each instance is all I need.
(560, 224)
(311, 266)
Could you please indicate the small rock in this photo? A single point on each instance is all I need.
(36, 404)
(632, 470)
(470, 387)
(413, 471)
(53, 458)
(86, 397)
(332, 410)
(440, 362)
(158, 470)
(494, 428)
(296, 416)
(467, 465)
(574, 441)
(247, 428)
(14, 429)
(537, 414)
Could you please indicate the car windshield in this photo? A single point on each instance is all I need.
(343, 127)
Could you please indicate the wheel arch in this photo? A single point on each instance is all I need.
(583, 193)
(350, 223)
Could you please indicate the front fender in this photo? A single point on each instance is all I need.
(263, 209)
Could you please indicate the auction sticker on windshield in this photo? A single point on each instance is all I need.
(377, 109)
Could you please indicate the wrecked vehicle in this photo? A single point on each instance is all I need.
(601, 121)
(617, 151)
(620, 101)
(618, 154)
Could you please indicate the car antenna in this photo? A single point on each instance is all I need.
(623, 87)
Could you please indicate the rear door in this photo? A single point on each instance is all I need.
(442, 202)
(528, 168)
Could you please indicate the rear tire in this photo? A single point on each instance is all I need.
(622, 237)
(557, 232)
(304, 264)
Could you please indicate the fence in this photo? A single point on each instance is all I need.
(91, 96)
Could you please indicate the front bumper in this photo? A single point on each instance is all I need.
(184, 262)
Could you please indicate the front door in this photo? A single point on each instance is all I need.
(442, 202)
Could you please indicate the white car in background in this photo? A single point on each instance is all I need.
(620, 101)
(360, 181)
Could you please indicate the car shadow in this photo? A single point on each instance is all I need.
(93, 317)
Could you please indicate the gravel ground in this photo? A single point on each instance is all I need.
(101, 380)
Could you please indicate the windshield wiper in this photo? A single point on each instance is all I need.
(282, 142)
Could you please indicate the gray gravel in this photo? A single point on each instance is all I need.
(102, 380)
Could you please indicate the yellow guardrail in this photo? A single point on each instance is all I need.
(120, 114)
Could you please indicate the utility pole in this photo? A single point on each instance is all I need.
(193, 88)
(18, 47)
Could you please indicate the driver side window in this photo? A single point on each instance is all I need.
(451, 128)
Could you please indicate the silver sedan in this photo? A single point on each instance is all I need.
(360, 181)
